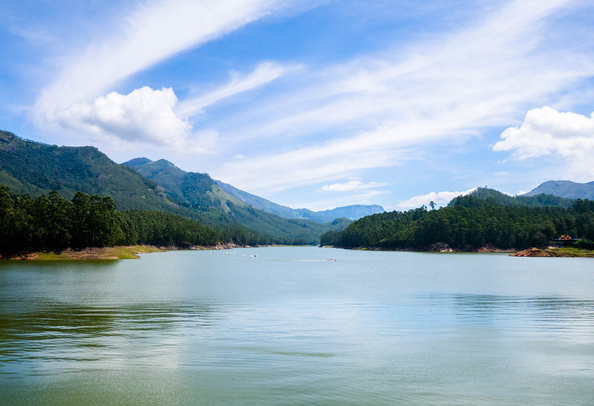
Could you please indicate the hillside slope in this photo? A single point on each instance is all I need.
(35, 169)
(566, 189)
(199, 192)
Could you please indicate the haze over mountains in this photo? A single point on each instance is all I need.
(175, 181)
(352, 212)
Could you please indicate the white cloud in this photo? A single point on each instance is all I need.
(546, 131)
(153, 32)
(239, 156)
(265, 73)
(439, 198)
(350, 185)
(369, 110)
(145, 115)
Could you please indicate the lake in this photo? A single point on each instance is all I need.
(289, 327)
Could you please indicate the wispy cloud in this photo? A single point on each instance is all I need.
(151, 33)
(369, 110)
(265, 73)
(350, 185)
(154, 116)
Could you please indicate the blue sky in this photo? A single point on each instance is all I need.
(313, 103)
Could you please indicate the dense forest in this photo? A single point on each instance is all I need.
(502, 199)
(53, 222)
(470, 222)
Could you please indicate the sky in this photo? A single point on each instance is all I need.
(314, 103)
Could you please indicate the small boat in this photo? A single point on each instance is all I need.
(332, 260)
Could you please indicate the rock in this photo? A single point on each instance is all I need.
(439, 247)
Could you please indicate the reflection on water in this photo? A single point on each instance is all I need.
(289, 328)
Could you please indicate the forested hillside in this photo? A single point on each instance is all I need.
(35, 169)
(469, 223)
(53, 222)
(540, 200)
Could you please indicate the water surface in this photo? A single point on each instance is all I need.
(290, 327)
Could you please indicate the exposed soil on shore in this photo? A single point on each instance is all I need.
(555, 253)
(90, 253)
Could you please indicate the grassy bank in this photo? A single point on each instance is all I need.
(109, 253)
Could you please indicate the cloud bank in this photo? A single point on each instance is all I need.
(546, 131)
(439, 198)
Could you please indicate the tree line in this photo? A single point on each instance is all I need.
(469, 223)
(53, 222)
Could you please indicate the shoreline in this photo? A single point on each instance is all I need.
(481, 250)
(108, 253)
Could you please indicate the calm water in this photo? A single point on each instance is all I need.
(289, 327)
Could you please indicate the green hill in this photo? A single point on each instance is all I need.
(36, 168)
(540, 200)
(470, 223)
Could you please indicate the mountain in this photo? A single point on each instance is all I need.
(35, 168)
(540, 200)
(199, 192)
(566, 189)
(353, 212)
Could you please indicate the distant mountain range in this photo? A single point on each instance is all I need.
(199, 192)
(353, 212)
(566, 189)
